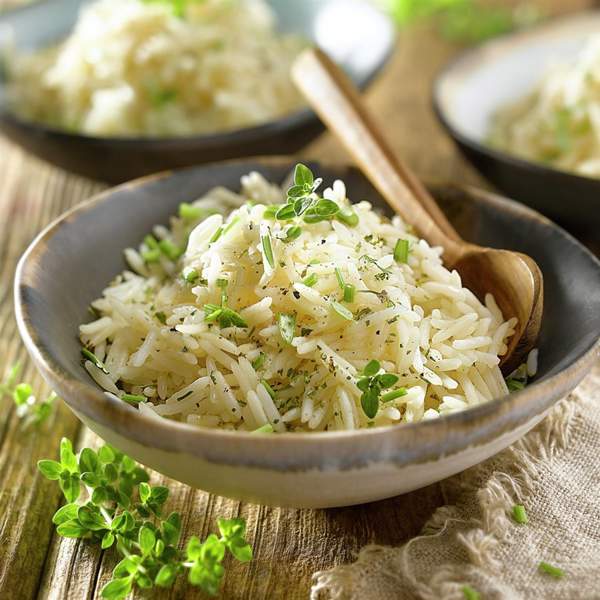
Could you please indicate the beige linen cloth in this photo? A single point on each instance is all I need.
(554, 472)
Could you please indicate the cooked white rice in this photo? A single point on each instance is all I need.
(415, 318)
(559, 122)
(133, 67)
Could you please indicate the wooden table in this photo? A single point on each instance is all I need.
(289, 545)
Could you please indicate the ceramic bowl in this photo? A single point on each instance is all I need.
(475, 85)
(72, 260)
(352, 32)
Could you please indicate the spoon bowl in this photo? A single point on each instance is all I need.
(514, 279)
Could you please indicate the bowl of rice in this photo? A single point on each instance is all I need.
(266, 332)
(116, 89)
(523, 109)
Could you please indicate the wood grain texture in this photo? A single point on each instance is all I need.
(289, 544)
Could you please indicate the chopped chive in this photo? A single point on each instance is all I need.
(231, 224)
(401, 251)
(94, 359)
(349, 291)
(551, 570)
(310, 280)
(259, 361)
(216, 235)
(287, 327)
(151, 242)
(213, 315)
(348, 217)
(133, 398)
(151, 256)
(292, 233)
(389, 396)
(268, 250)
(189, 212)
(170, 250)
(161, 316)
(222, 282)
(314, 261)
(342, 311)
(519, 514)
(339, 277)
(191, 275)
(267, 428)
(269, 389)
(514, 385)
(230, 317)
(469, 593)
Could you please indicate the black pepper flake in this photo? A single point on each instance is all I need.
(296, 294)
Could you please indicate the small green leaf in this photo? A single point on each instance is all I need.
(146, 540)
(70, 487)
(386, 380)
(106, 454)
(22, 393)
(326, 208)
(50, 469)
(159, 494)
(91, 519)
(144, 491)
(88, 461)
(194, 548)
(67, 456)
(292, 233)
(117, 589)
(71, 529)
(312, 216)
(287, 327)
(286, 213)
(303, 176)
(372, 368)
(65, 513)
(107, 540)
(370, 403)
(166, 576)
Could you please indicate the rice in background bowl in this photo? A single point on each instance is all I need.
(135, 68)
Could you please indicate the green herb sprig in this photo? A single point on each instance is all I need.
(372, 383)
(111, 503)
(303, 201)
(29, 408)
(226, 317)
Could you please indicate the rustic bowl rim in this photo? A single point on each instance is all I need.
(494, 418)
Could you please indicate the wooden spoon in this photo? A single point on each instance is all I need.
(514, 279)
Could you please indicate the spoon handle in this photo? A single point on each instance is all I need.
(335, 99)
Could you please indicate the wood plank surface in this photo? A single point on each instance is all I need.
(289, 544)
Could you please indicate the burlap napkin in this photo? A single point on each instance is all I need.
(473, 541)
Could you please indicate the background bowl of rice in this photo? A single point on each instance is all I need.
(69, 264)
(474, 87)
(353, 32)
